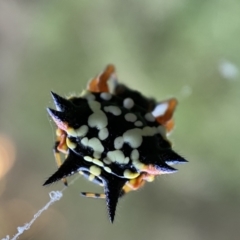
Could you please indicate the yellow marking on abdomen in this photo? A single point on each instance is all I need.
(70, 144)
(95, 170)
(130, 175)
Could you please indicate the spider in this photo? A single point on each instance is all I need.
(114, 136)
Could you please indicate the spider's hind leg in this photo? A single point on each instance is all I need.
(93, 195)
(93, 179)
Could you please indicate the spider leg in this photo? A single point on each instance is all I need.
(131, 185)
(60, 146)
(93, 179)
(134, 184)
(125, 190)
(93, 195)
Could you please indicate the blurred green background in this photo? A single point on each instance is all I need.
(181, 48)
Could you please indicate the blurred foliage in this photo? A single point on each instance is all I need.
(163, 49)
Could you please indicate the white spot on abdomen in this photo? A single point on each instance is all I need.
(133, 137)
(134, 154)
(116, 156)
(113, 109)
(138, 124)
(130, 117)
(103, 134)
(105, 96)
(96, 171)
(87, 95)
(107, 161)
(84, 141)
(149, 117)
(128, 103)
(94, 105)
(98, 119)
(97, 147)
(149, 131)
(118, 142)
(80, 132)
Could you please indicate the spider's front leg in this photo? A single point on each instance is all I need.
(136, 183)
(60, 146)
